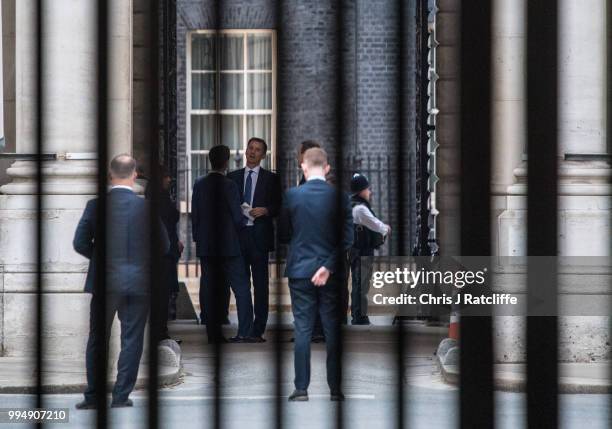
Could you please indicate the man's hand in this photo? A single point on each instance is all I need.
(320, 277)
(258, 211)
(181, 247)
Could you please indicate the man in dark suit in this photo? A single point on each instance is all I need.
(170, 217)
(217, 220)
(317, 332)
(316, 221)
(261, 190)
(128, 268)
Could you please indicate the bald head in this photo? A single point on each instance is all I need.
(123, 170)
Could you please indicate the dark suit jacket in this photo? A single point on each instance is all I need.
(216, 217)
(128, 243)
(267, 194)
(170, 216)
(310, 222)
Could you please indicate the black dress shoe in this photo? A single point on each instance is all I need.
(336, 396)
(85, 405)
(220, 340)
(126, 403)
(240, 339)
(258, 339)
(362, 320)
(298, 395)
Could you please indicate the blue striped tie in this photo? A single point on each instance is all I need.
(248, 186)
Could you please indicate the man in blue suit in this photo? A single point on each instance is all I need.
(128, 268)
(316, 220)
(216, 224)
(261, 190)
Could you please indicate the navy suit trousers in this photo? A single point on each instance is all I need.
(256, 264)
(307, 301)
(132, 311)
(217, 273)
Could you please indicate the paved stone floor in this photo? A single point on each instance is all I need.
(249, 385)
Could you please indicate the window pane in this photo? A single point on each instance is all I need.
(231, 131)
(260, 52)
(232, 91)
(202, 52)
(236, 162)
(203, 91)
(259, 87)
(259, 126)
(267, 161)
(202, 131)
(232, 53)
(199, 166)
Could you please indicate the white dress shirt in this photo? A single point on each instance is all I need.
(363, 216)
(316, 178)
(122, 187)
(254, 177)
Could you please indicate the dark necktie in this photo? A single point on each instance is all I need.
(248, 186)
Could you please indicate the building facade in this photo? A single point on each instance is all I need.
(275, 69)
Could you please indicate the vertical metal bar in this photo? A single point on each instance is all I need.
(155, 273)
(399, 198)
(101, 359)
(609, 145)
(284, 172)
(221, 312)
(542, 153)
(339, 156)
(39, 203)
(476, 369)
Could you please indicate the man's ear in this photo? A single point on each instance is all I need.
(304, 166)
(326, 169)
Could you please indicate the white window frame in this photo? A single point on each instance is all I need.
(243, 112)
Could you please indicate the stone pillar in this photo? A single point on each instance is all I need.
(70, 105)
(584, 189)
(509, 26)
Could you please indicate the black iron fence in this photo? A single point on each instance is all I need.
(381, 171)
(476, 383)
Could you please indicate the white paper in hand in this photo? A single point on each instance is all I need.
(246, 208)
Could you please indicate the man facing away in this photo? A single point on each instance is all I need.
(316, 221)
(259, 189)
(128, 268)
(317, 332)
(216, 224)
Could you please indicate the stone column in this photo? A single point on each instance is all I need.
(70, 105)
(584, 189)
(509, 26)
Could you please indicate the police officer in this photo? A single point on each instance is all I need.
(370, 233)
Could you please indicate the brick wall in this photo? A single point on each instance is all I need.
(308, 75)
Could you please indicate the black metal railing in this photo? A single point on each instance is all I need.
(387, 173)
(381, 170)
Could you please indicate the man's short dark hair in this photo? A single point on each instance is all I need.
(219, 155)
(258, 140)
(308, 144)
(122, 166)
